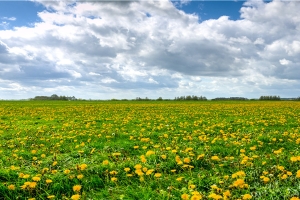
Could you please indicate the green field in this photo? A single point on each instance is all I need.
(149, 150)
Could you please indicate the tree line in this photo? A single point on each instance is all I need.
(53, 97)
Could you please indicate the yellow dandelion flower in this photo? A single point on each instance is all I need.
(11, 187)
(200, 156)
(116, 154)
(113, 179)
(51, 196)
(138, 166)
(126, 169)
(49, 181)
(36, 178)
(80, 176)
(32, 184)
(215, 196)
(105, 162)
(157, 175)
(67, 171)
(186, 160)
(76, 188)
(185, 196)
(54, 163)
(192, 186)
(247, 196)
(295, 198)
(149, 153)
(179, 178)
(82, 166)
(163, 157)
(216, 158)
(75, 197)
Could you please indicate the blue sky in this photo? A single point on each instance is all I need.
(104, 50)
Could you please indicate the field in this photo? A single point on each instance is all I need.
(149, 150)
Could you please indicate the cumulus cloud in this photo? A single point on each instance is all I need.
(141, 46)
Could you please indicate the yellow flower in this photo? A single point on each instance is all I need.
(149, 171)
(67, 171)
(266, 179)
(43, 156)
(136, 147)
(113, 179)
(138, 166)
(51, 196)
(298, 174)
(157, 175)
(48, 181)
(242, 150)
(215, 196)
(11, 187)
(76, 188)
(284, 176)
(113, 172)
(247, 196)
(32, 184)
(80, 176)
(227, 193)
(105, 162)
(54, 163)
(35, 178)
(82, 166)
(149, 153)
(186, 160)
(127, 169)
(185, 196)
(295, 198)
(163, 157)
(75, 197)
(31, 199)
(281, 168)
(26, 176)
(179, 178)
(200, 156)
(116, 154)
(215, 158)
(192, 186)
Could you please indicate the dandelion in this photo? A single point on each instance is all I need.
(179, 178)
(185, 196)
(116, 154)
(295, 198)
(11, 187)
(215, 196)
(76, 188)
(163, 157)
(67, 171)
(127, 169)
(247, 196)
(216, 158)
(200, 156)
(32, 184)
(75, 197)
(49, 181)
(149, 153)
(157, 175)
(82, 166)
(80, 176)
(54, 163)
(105, 162)
(192, 186)
(186, 160)
(113, 179)
(51, 196)
(36, 178)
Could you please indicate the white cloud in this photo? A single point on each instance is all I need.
(142, 46)
(284, 61)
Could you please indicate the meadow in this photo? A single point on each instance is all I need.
(149, 150)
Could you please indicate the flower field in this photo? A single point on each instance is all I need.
(149, 150)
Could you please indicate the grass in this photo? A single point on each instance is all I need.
(149, 150)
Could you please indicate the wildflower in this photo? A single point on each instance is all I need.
(67, 171)
(149, 171)
(281, 168)
(247, 196)
(113, 179)
(54, 163)
(215, 196)
(127, 169)
(238, 174)
(227, 193)
(186, 160)
(157, 175)
(105, 162)
(80, 176)
(149, 153)
(75, 197)
(138, 166)
(295, 198)
(76, 188)
(136, 147)
(51, 196)
(179, 178)
(11, 187)
(82, 166)
(266, 179)
(192, 186)
(32, 184)
(163, 157)
(298, 174)
(200, 156)
(113, 172)
(48, 181)
(116, 154)
(36, 178)
(284, 176)
(215, 158)
(43, 156)
(185, 196)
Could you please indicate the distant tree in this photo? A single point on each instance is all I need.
(159, 99)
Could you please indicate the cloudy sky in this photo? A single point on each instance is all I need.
(104, 50)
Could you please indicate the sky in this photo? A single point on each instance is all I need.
(128, 49)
